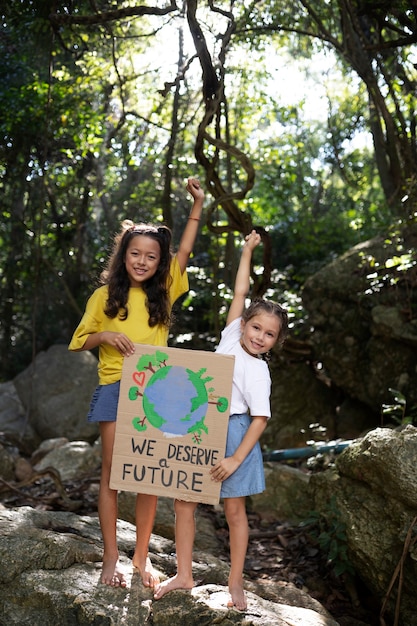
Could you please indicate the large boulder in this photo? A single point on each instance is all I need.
(287, 495)
(364, 333)
(372, 496)
(14, 420)
(298, 400)
(368, 499)
(51, 569)
(55, 391)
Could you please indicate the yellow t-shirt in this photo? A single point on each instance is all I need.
(135, 327)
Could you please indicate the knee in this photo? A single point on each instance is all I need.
(184, 509)
(235, 514)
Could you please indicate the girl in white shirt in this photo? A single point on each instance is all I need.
(249, 335)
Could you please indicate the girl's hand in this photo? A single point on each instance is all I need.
(121, 342)
(195, 189)
(252, 240)
(224, 469)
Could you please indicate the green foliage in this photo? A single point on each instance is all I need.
(398, 411)
(330, 533)
(321, 197)
(88, 112)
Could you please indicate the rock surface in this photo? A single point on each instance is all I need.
(367, 500)
(373, 490)
(51, 568)
(365, 334)
(55, 391)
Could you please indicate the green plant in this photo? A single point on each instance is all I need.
(398, 410)
(330, 533)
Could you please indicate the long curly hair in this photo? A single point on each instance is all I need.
(156, 288)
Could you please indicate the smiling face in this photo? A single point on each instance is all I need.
(142, 259)
(260, 333)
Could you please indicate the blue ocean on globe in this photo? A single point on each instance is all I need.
(169, 397)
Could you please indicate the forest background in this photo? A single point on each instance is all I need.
(299, 119)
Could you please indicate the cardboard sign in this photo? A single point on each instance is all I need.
(172, 422)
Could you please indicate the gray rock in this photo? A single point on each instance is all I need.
(7, 464)
(45, 447)
(207, 605)
(50, 575)
(55, 391)
(73, 459)
(14, 418)
(361, 307)
(287, 495)
(372, 493)
(298, 399)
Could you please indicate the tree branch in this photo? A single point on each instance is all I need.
(110, 16)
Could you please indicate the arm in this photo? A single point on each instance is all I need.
(89, 334)
(227, 466)
(242, 283)
(119, 341)
(190, 231)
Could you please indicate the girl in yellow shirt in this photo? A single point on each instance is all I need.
(142, 281)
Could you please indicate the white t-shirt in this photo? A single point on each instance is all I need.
(251, 387)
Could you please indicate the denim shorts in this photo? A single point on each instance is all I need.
(103, 405)
(249, 478)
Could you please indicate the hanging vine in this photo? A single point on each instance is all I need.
(215, 110)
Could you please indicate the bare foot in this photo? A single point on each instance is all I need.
(149, 576)
(176, 582)
(112, 574)
(237, 597)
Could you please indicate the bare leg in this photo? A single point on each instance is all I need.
(111, 573)
(145, 516)
(237, 520)
(184, 540)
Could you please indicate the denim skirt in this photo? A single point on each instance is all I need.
(103, 405)
(249, 478)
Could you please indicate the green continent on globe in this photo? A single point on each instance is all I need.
(149, 407)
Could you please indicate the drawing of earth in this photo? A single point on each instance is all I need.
(175, 400)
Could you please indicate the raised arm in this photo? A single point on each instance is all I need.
(242, 281)
(190, 231)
